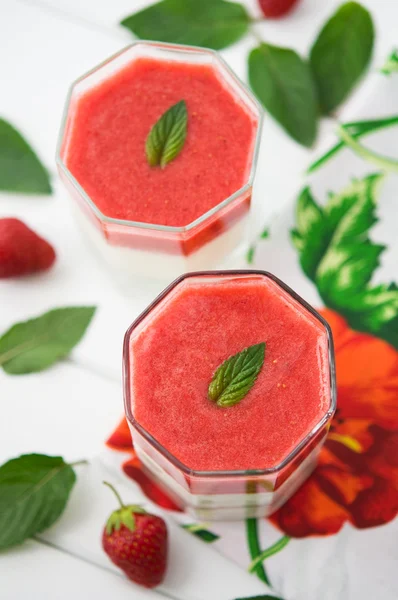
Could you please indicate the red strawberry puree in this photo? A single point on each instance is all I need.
(203, 321)
(106, 150)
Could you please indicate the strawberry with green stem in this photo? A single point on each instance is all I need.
(136, 542)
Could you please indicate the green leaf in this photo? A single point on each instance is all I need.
(391, 64)
(34, 490)
(20, 169)
(283, 83)
(167, 137)
(337, 254)
(199, 531)
(236, 376)
(210, 23)
(264, 234)
(341, 54)
(36, 344)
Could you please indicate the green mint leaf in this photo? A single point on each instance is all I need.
(210, 23)
(283, 83)
(236, 376)
(341, 54)
(34, 490)
(337, 254)
(391, 64)
(20, 169)
(36, 344)
(203, 534)
(264, 234)
(167, 137)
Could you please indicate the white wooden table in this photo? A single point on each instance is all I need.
(71, 408)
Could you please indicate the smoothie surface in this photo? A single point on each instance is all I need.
(176, 349)
(110, 123)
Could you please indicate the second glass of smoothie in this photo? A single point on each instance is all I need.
(229, 461)
(151, 220)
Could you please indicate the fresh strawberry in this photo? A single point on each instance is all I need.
(22, 251)
(273, 9)
(136, 542)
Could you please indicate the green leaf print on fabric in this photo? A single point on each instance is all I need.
(391, 64)
(337, 254)
(250, 255)
(201, 532)
(356, 130)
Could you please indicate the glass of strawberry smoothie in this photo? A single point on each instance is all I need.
(151, 220)
(246, 458)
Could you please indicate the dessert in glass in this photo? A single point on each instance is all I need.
(229, 460)
(160, 221)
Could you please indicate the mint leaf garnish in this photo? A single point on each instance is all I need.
(36, 344)
(337, 254)
(283, 83)
(236, 376)
(210, 23)
(20, 169)
(341, 54)
(167, 136)
(34, 490)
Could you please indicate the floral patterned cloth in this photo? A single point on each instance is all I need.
(327, 246)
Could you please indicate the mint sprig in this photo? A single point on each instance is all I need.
(236, 376)
(34, 490)
(167, 137)
(35, 345)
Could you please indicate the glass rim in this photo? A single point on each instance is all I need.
(153, 226)
(229, 473)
